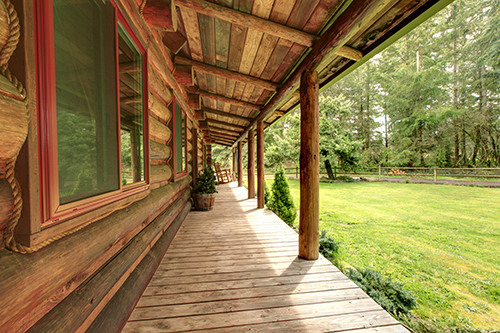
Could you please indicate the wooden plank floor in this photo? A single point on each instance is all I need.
(235, 269)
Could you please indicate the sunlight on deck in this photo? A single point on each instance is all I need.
(235, 269)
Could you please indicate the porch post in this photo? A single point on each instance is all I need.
(240, 165)
(309, 167)
(209, 155)
(260, 164)
(251, 165)
(234, 164)
(195, 154)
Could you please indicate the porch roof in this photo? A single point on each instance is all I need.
(235, 269)
(248, 55)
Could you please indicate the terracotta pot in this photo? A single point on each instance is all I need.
(204, 201)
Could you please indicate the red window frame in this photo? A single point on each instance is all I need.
(52, 212)
(185, 172)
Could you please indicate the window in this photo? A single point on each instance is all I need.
(91, 107)
(180, 145)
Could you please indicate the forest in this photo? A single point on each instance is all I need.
(430, 99)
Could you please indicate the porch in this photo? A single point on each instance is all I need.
(236, 269)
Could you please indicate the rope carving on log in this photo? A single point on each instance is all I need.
(10, 152)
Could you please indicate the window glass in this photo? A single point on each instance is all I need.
(180, 139)
(131, 109)
(87, 138)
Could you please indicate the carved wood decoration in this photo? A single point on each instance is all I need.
(13, 127)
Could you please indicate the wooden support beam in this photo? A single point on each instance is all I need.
(195, 154)
(227, 74)
(174, 41)
(234, 162)
(223, 131)
(224, 99)
(199, 115)
(209, 155)
(226, 114)
(194, 101)
(349, 53)
(249, 21)
(184, 75)
(309, 166)
(240, 165)
(222, 135)
(350, 22)
(161, 15)
(260, 164)
(213, 122)
(279, 113)
(251, 165)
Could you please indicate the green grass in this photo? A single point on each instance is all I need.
(442, 242)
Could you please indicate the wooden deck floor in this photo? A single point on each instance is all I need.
(235, 269)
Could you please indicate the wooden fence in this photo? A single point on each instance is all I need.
(406, 172)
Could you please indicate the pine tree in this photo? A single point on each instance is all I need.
(281, 201)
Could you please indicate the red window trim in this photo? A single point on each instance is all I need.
(51, 211)
(185, 172)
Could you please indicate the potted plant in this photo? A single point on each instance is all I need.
(204, 190)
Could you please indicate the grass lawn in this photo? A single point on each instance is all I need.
(442, 242)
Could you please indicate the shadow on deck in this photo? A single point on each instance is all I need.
(235, 269)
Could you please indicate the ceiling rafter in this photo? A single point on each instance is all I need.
(227, 74)
(269, 27)
(225, 114)
(351, 21)
(217, 123)
(224, 99)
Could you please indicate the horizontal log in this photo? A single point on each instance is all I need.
(131, 100)
(159, 152)
(160, 110)
(225, 114)
(159, 132)
(223, 131)
(161, 15)
(174, 41)
(160, 173)
(158, 86)
(184, 75)
(249, 21)
(129, 67)
(93, 295)
(115, 315)
(224, 99)
(34, 284)
(221, 135)
(14, 120)
(227, 74)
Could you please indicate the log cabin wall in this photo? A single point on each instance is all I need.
(72, 278)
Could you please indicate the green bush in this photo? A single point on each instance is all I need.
(205, 182)
(387, 293)
(281, 201)
(266, 194)
(328, 246)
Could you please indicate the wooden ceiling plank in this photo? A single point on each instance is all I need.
(262, 8)
(222, 34)
(252, 43)
(238, 90)
(224, 131)
(256, 95)
(281, 11)
(263, 55)
(174, 41)
(280, 51)
(291, 58)
(225, 99)
(301, 13)
(238, 36)
(226, 136)
(207, 34)
(249, 21)
(357, 16)
(192, 27)
(247, 93)
(230, 84)
(324, 11)
(230, 75)
(263, 98)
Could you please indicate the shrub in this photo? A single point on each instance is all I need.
(345, 178)
(330, 249)
(205, 182)
(389, 294)
(433, 326)
(266, 194)
(281, 201)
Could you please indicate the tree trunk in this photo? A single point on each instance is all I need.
(329, 170)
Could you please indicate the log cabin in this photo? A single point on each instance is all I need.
(109, 110)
